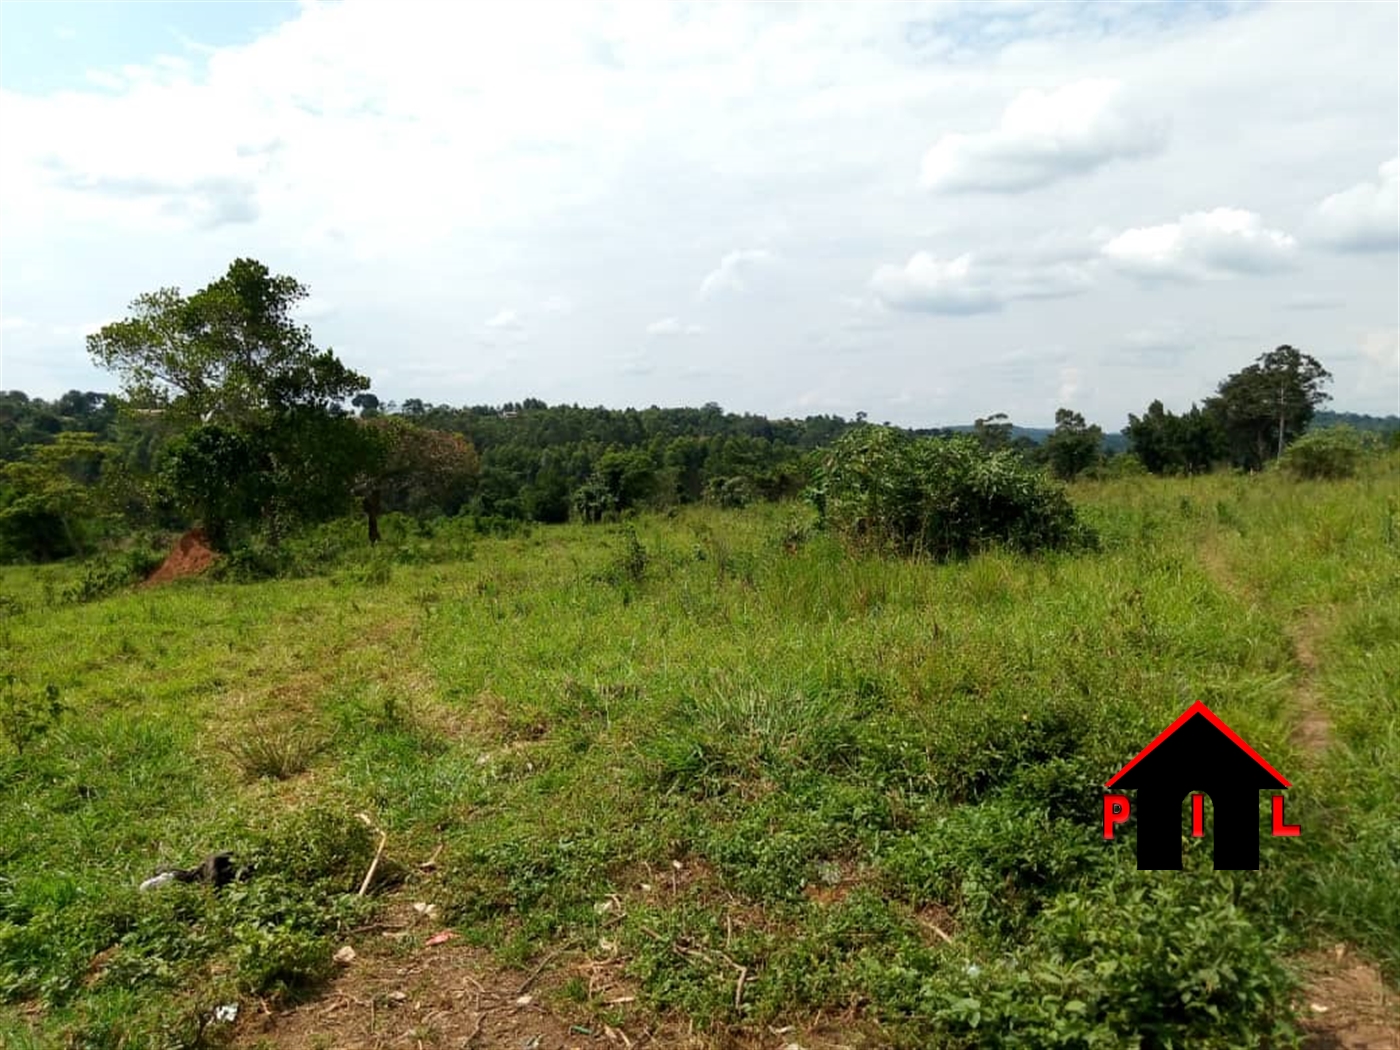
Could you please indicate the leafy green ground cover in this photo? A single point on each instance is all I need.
(840, 752)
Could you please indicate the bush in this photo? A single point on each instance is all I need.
(730, 493)
(102, 576)
(996, 864)
(1163, 961)
(1329, 453)
(944, 497)
(27, 713)
(629, 564)
(1123, 465)
(256, 560)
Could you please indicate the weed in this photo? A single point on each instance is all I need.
(26, 715)
(278, 755)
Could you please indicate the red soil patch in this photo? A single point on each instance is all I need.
(190, 557)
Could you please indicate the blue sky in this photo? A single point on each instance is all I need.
(52, 45)
(927, 212)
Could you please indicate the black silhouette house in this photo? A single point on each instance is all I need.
(1197, 752)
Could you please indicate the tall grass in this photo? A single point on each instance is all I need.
(831, 748)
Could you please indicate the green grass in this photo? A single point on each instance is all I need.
(831, 748)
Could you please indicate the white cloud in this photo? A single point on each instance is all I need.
(732, 271)
(1202, 246)
(314, 308)
(1069, 384)
(1044, 137)
(609, 161)
(1365, 217)
(671, 326)
(81, 330)
(15, 324)
(967, 285)
(1382, 346)
(506, 319)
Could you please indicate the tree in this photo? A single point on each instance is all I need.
(415, 470)
(1170, 444)
(1263, 407)
(231, 353)
(219, 477)
(256, 408)
(1074, 446)
(993, 432)
(50, 499)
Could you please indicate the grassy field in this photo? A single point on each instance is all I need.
(754, 782)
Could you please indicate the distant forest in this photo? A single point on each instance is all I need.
(533, 456)
(229, 416)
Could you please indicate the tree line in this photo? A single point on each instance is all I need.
(229, 415)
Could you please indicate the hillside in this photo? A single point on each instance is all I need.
(704, 777)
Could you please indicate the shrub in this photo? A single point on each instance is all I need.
(255, 560)
(1163, 961)
(27, 714)
(996, 864)
(730, 493)
(944, 497)
(110, 573)
(1329, 453)
(629, 564)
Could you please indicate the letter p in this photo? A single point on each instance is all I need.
(1115, 811)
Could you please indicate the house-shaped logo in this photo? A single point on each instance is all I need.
(1196, 755)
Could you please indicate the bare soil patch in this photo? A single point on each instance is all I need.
(191, 556)
(1348, 1005)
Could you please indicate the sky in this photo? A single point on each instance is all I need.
(925, 212)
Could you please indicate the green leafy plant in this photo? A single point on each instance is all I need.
(110, 573)
(943, 497)
(25, 715)
(1171, 962)
(1327, 454)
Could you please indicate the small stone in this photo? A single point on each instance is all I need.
(1318, 1008)
(345, 956)
(525, 1000)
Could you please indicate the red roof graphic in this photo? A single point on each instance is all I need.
(1199, 708)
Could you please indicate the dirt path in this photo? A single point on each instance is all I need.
(1314, 730)
(400, 991)
(1313, 733)
(1348, 1006)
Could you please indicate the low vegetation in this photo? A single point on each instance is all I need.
(710, 743)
